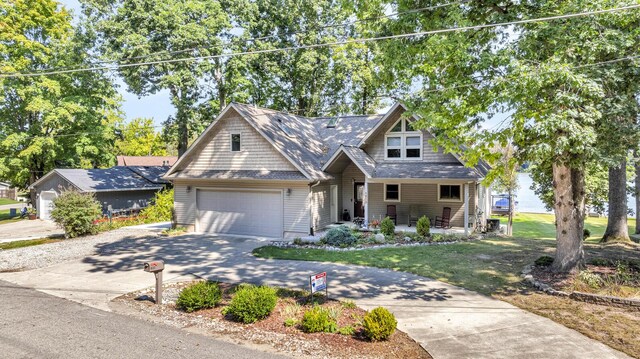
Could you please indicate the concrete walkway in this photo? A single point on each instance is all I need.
(448, 321)
(28, 229)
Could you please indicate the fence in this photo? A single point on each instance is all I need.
(10, 193)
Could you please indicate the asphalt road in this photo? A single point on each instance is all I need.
(37, 325)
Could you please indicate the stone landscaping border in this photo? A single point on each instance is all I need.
(287, 244)
(579, 296)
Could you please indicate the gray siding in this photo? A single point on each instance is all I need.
(424, 195)
(125, 199)
(256, 153)
(375, 145)
(296, 205)
(350, 175)
(321, 203)
(55, 183)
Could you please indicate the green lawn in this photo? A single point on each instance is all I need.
(4, 201)
(4, 217)
(541, 226)
(27, 243)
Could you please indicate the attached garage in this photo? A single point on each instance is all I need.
(249, 212)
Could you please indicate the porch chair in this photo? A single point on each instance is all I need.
(443, 222)
(414, 214)
(391, 213)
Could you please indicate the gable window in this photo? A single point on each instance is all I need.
(235, 142)
(403, 142)
(449, 193)
(392, 192)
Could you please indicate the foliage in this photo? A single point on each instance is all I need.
(58, 120)
(349, 304)
(347, 330)
(387, 227)
(379, 324)
(252, 303)
(591, 279)
(200, 295)
(162, 208)
(374, 223)
(544, 261)
(586, 233)
(318, 320)
(139, 138)
(290, 322)
(423, 226)
(339, 237)
(76, 212)
(175, 231)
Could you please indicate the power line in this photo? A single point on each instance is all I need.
(328, 44)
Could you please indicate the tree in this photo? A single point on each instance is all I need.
(507, 180)
(147, 30)
(539, 72)
(48, 121)
(138, 138)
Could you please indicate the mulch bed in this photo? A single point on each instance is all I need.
(272, 331)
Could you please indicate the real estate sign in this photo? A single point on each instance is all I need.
(318, 282)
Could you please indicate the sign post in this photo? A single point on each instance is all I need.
(318, 282)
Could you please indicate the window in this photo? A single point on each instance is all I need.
(235, 142)
(403, 142)
(392, 192)
(332, 122)
(449, 193)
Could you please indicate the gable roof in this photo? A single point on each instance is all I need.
(112, 179)
(147, 160)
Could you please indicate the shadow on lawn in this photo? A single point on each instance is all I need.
(230, 260)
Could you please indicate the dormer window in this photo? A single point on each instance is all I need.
(402, 142)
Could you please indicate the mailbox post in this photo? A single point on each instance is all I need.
(156, 267)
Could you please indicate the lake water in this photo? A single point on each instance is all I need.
(529, 202)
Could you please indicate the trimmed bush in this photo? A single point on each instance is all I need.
(423, 226)
(379, 324)
(252, 303)
(387, 227)
(201, 295)
(76, 212)
(586, 233)
(162, 208)
(317, 320)
(339, 237)
(544, 261)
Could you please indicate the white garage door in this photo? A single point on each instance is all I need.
(251, 213)
(46, 204)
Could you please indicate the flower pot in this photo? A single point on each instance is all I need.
(32, 216)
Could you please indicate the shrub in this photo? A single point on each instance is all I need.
(201, 295)
(544, 261)
(586, 233)
(76, 212)
(339, 237)
(379, 324)
(346, 330)
(349, 304)
(290, 322)
(162, 208)
(252, 303)
(318, 319)
(423, 226)
(387, 227)
(591, 279)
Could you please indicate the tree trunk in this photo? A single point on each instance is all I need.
(569, 193)
(637, 167)
(617, 229)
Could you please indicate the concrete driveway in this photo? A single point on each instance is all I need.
(448, 321)
(28, 229)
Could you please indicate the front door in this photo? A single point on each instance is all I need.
(358, 197)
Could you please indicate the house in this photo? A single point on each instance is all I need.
(6, 191)
(146, 161)
(116, 188)
(266, 173)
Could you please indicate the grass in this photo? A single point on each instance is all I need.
(4, 217)
(541, 226)
(27, 243)
(4, 201)
(493, 266)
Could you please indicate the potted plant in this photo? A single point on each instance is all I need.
(374, 223)
(31, 213)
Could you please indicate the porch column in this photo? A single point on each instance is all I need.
(466, 209)
(366, 203)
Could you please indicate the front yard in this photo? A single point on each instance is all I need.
(493, 267)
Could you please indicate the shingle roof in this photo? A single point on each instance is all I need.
(348, 130)
(147, 160)
(426, 171)
(362, 159)
(108, 179)
(246, 174)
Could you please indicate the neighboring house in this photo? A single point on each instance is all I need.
(6, 191)
(146, 160)
(266, 173)
(118, 187)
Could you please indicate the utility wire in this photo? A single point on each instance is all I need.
(328, 44)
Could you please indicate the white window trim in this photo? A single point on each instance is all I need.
(403, 134)
(399, 192)
(231, 141)
(450, 200)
